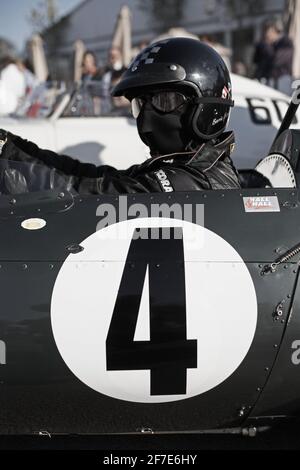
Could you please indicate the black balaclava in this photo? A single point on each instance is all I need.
(166, 133)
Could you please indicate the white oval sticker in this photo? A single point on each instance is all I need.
(117, 329)
(33, 224)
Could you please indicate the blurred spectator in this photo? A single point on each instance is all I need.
(224, 52)
(12, 85)
(274, 57)
(31, 80)
(239, 68)
(111, 75)
(114, 68)
(90, 69)
(263, 60)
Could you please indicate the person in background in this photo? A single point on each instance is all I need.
(12, 85)
(274, 57)
(31, 81)
(112, 74)
(283, 51)
(115, 67)
(263, 60)
(90, 70)
(239, 68)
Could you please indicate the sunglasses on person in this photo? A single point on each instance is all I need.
(168, 101)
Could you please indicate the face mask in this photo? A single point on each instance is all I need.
(165, 133)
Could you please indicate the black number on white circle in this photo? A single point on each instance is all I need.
(169, 353)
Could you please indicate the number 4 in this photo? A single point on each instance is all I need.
(169, 353)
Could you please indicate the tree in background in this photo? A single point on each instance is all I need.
(44, 15)
(163, 14)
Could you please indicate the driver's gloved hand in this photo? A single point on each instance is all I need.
(20, 172)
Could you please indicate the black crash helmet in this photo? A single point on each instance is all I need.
(182, 62)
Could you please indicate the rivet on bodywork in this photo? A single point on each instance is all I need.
(44, 433)
(13, 201)
(75, 248)
(267, 369)
(61, 195)
(173, 67)
(147, 431)
(51, 266)
(24, 266)
(275, 346)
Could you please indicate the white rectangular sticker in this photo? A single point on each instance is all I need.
(261, 204)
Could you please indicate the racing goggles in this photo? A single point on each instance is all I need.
(168, 101)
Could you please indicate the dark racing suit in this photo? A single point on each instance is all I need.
(209, 168)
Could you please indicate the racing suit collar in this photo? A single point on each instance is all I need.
(209, 152)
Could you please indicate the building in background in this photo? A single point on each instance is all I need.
(237, 24)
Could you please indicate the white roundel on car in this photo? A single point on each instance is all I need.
(173, 321)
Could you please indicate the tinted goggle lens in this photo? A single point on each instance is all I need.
(165, 102)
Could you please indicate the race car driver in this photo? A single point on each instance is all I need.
(180, 93)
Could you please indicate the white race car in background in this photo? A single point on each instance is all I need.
(74, 128)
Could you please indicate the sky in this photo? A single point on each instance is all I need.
(13, 18)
